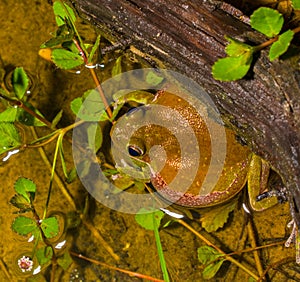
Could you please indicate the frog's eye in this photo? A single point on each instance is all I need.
(135, 151)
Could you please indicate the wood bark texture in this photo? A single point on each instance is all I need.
(188, 36)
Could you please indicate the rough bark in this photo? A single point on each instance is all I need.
(188, 36)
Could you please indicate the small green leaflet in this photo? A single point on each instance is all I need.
(144, 218)
(267, 21)
(44, 255)
(65, 260)
(296, 4)
(9, 137)
(20, 82)
(50, 227)
(232, 68)
(65, 59)
(212, 259)
(94, 136)
(117, 68)
(236, 48)
(24, 225)
(63, 34)
(21, 203)
(94, 49)
(60, 13)
(153, 78)
(89, 107)
(25, 187)
(9, 115)
(280, 46)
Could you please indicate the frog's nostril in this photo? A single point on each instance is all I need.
(135, 151)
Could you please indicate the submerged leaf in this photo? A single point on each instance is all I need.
(21, 203)
(212, 259)
(211, 270)
(215, 218)
(20, 82)
(44, 255)
(65, 261)
(281, 45)
(267, 21)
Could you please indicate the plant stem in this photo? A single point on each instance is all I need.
(59, 140)
(130, 273)
(272, 40)
(95, 78)
(20, 104)
(160, 251)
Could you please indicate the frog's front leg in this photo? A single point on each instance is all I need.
(258, 175)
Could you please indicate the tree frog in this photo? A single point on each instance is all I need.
(240, 166)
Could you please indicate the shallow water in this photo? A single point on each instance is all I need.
(24, 26)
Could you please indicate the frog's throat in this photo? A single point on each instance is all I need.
(187, 199)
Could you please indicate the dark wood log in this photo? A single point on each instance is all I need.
(188, 36)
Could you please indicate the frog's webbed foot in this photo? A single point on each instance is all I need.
(281, 195)
(294, 238)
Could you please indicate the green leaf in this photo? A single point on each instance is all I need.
(65, 59)
(236, 48)
(94, 49)
(215, 218)
(62, 158)
(50, 227)
(296, 4)
(71, 175)
(144, 218)
(9, 115)
(280, 46)
(20, 82)
(9, 137)
(207, 254)
(153, 78)
(94, 136)
(28, 119)
(211, 270)
(65, 261)
(117, 67)
(60, 13)
(44, 255)
(267, 21)
(63, 34)
(232, 68)
(26, 188)
(56, 119)
(24, 225)
(212, 259)
(89, 107)
(21, 203)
